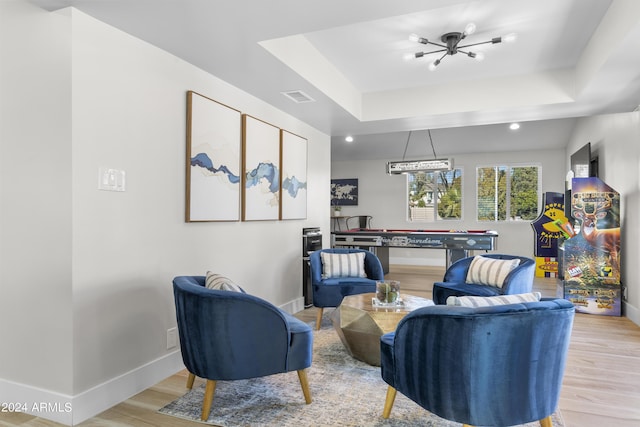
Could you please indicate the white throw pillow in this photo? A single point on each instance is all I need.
(220, 283)
(343, 265)
(490, 271)
(491, 301)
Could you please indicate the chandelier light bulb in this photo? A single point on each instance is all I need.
(434, 64)
(408, 56)
(470, 28)
(510, 38)
(416, 38)
(479, 56)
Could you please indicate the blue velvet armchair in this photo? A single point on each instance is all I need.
(489, 366)
(330, 291)
(518, 281)
(226, 335)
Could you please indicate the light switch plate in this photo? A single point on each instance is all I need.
(111, 179)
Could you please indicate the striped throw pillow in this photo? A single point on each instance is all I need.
(490, 301)
(343, 265)
(490, 271)
(220, 283)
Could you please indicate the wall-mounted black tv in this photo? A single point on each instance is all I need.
(581, 162)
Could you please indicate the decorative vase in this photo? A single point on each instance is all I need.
(388, 292)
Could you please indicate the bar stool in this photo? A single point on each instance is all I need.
(364, 221)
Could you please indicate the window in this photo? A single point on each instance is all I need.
(508, 193)
(435, 195)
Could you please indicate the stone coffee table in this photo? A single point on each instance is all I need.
(360, 323)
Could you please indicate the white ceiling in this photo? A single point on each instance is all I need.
(572, 58)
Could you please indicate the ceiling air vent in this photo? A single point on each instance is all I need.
(298, 96)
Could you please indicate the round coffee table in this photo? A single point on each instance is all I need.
(360, 323)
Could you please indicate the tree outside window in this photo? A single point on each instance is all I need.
(508, 193)
(435, 195)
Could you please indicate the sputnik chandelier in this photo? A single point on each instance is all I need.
(452, 45)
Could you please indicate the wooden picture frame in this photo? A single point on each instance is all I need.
(293, 184)
(344, 192)
(214, 135)
(260, 170)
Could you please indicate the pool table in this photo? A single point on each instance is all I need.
(457, 243)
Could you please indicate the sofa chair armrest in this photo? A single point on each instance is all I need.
(520, 279)
(373, 266)
(457, 272)
(315, 264)
(387, 357)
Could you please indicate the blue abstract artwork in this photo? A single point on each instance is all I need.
(202, 160)
(292, 186)
(294, 176)
(264, 172)
(213, 160)
(261, 170)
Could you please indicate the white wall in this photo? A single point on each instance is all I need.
(35, 200)
(93, 272)
(615, 139)
(384, 197)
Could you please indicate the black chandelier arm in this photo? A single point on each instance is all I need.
(492, 41)
(442, 57)
(436, 44)
(468, 53)
(421, 54)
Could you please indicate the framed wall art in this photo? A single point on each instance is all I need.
(261, 170)
(293, 185)
(214, 135)
(344, 192)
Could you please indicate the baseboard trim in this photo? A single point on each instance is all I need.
(631, 313)
(108, 394)
(36, 401)
(417, 262)
(294, 306)
(72, 410)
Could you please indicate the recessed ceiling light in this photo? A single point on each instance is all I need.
(514, 126)
(349, 138)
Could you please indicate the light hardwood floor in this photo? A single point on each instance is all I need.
(601, 386)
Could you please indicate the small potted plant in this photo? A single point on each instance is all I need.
(337, 210)
(387, 292)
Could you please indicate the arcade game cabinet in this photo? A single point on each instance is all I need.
(591, 258)
(547, 229)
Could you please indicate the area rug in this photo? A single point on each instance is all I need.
(345, 392)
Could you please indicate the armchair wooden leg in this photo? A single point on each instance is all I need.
(546, 422)
(319, 318)
(302, 375)
(190, 379)
(209, 391)
(388, 403)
